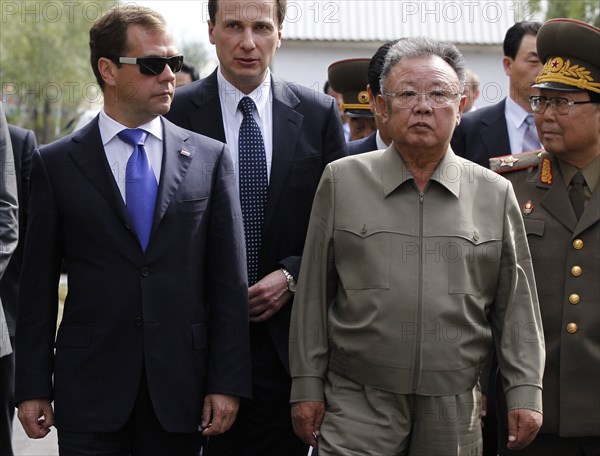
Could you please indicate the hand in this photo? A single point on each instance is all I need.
(306, 419)
(523, 426)
(268, 296)
(218, 413)
(37, 417)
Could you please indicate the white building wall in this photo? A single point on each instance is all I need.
(306, 64)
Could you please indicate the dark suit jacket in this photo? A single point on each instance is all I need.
(360, 146)
(482, 134)
(558, 241)
(307, 134)
(179, 311)
(23, 144)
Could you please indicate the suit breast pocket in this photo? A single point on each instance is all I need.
(473, 265)
(192, 205)
(363, 259)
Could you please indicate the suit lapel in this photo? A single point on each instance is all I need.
(208, 118)
(88, 154)
(556, 200)
(177, 156)
(287, 124)
(494, 132)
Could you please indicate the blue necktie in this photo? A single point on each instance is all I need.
(140, 185)
(253, 185)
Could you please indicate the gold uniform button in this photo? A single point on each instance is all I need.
(572, 328)
(577, 244)
(576, 271)
(574, 298)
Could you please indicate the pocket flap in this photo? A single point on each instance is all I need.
(193, 205)
(534, 226)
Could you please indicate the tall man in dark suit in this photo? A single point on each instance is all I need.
(506, 127)
(9, 232)
(152, 351)
(300, 132)
(23, 144)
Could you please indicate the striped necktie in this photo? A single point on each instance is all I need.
(530, 138)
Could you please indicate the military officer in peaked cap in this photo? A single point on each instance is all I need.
(558, 190)
(349, 77)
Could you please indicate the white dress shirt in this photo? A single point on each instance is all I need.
(232, 117)
(515, 122)
(118, 152)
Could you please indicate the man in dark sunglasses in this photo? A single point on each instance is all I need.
(152, 354)
(152, 66)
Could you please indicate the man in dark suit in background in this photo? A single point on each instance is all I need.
(506, 127)
(152, 350)
(298, 131)
(23, 144)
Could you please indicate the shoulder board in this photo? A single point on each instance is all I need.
(516, 162)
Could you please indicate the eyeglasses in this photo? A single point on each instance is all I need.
(153, 65)
(559, 104)
(436, 98)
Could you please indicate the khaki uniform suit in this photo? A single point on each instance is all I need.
(566, 261)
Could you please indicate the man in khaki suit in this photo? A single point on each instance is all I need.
(415, 260)
(560, 202)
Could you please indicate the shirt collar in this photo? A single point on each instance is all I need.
(515, 114)
(230, 96)
(395, 172)
(110, 128)
(380, 143)
(590, 173)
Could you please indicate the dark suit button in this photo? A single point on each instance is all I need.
(145, 272)
(139, 321)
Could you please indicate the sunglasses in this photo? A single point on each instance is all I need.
(153, 65)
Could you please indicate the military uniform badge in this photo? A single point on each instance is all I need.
(527, 208)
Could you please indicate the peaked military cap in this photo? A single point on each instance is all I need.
(571, 52)
(349, 77)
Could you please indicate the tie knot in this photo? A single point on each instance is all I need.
(247, 106)
(529, 120)
(133, 136)
(578, 179)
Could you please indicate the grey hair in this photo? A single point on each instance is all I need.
(416, 47)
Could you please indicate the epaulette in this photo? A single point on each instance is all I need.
(516, 162)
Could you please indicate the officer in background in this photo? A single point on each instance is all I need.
(558, 191)
(349, 77)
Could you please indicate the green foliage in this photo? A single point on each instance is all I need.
(44, 61)
(583, 10)
(194, 53)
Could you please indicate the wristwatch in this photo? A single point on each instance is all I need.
(291, 282)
